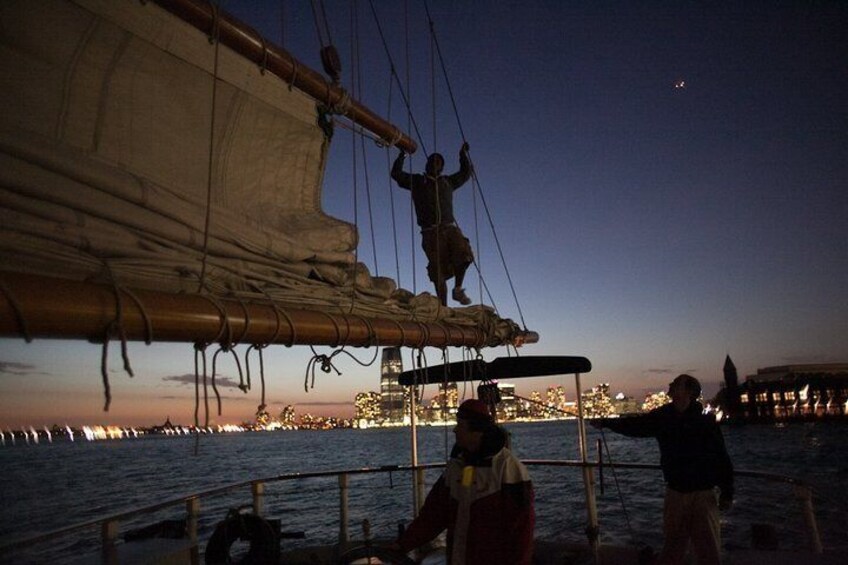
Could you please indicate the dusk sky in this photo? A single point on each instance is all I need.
(668, 182)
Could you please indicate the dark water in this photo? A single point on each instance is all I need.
(47, 486)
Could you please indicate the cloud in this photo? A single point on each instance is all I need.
(18, 369)
(672, 371)
(189, 379)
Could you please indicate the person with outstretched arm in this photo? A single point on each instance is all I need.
(694, 462)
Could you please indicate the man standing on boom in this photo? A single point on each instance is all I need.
(448, 251)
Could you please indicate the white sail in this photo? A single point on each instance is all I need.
(109, 169)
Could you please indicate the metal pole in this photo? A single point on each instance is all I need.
(192, 518)
(416, 486)
(343, 533)
(592, 530)
(258, 490)
(804, 494)
(109, 535)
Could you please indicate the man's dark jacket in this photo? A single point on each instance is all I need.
(432, 206)
(692, 452)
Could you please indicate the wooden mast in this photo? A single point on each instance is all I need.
(45, 307)
(247, 42)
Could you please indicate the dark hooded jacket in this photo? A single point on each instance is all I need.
(486, 503)
(432, 207)
(692, 452)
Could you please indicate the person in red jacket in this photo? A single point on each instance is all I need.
(484, 498)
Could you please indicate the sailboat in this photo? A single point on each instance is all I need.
(159, 186)
(161, 167)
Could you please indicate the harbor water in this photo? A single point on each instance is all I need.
(51, 485)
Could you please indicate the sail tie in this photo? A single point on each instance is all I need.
(402, 332)
(295, 69)
(425, 335)
(263, 66)
(19, 314)
(336, 326)
(342, 104)
(241, 385)
(244, 332)
(115, 327)
(326, 362)
(225, 327)
(200, 352)
(277, 313)
(259, 348)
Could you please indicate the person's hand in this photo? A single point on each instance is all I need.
(725, 502)
(464, 148)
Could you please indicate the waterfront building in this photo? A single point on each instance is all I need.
(655, 400)
(443, 405)
(537, 407)
(788, 392)
(555, 397)
(732, 406)
(623, 404)
(287, 416)
(597, 402)
(508, 407)
(391, 391)
(367, 410)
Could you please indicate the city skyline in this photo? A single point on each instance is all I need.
(650, 228)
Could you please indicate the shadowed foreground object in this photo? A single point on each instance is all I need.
(500, 368)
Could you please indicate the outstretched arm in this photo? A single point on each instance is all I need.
(460, 177)
(403, 179)
(646, 425)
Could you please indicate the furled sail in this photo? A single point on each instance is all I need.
(136, 153)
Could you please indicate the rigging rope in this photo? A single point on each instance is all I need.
(213, 38)
(473, 171)
(408, 128)
(19, 315)
(116, 326)
(356, 70)
(397, 78)
(617, 486)
(326, 363)
(392, 192)
(200, 350)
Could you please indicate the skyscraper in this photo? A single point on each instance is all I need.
(391, 392)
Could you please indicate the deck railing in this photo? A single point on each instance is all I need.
(110, 525)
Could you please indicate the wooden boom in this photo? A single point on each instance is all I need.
(247, 42)
(45, 307)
